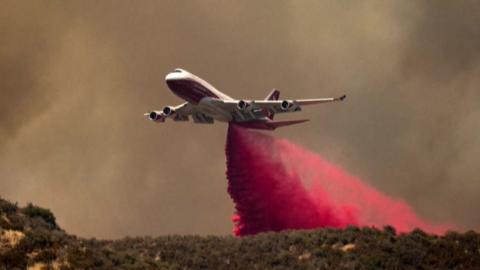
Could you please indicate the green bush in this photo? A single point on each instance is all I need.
(33, 211)
(7, 207)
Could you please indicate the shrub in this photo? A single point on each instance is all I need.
(33, 211)
(7, 207)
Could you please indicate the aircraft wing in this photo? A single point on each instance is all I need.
(179, 113)
(244, 110)
(293, 105)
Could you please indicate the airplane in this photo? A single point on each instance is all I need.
(205, 104)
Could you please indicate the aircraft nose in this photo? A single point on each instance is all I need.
(170, 76)
(178, 74)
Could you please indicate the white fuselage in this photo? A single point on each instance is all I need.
(197, 92)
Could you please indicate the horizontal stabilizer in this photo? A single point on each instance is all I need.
(278, 124)
(270, 125)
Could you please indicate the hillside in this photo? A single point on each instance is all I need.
(31, 239)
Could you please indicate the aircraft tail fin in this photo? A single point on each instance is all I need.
(273, 95)
(270, 125)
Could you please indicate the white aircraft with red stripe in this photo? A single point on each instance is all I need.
(205, 104)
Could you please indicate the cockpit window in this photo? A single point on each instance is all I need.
(177, 70)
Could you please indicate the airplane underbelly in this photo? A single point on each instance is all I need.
(214, 111)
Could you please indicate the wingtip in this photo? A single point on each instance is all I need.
(341, 98)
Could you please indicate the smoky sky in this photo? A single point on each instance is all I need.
(77, 76)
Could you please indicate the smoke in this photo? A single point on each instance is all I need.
(277, 185)
(25, 94)
(77, 76)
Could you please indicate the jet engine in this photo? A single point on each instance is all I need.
(155, 115)
(285, 105)
(243, 105)
(168, 110)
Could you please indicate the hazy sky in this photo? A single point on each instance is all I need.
(77, 76)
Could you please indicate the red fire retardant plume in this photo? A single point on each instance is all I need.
(277, 185)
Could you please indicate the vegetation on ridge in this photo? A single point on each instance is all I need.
(29, 236)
